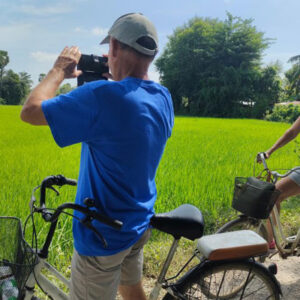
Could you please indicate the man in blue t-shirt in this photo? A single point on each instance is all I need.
(123, 126)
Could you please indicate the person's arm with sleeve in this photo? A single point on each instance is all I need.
(64, 67)
(288, 136)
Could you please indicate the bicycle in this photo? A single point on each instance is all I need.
(227, 269)
(286, 246)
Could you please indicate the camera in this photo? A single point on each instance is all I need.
(92, 67)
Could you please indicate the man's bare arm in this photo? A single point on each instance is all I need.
(64, 67)
(288, 136)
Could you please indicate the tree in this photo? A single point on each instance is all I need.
(267, 88)
(293, 78)
(26, 82)
(65, 88)
(42, 76)
(211, 67)
(4, 60)
(15, 88)
(295, 59)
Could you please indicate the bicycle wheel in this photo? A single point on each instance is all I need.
(246, 223)
(230, 280)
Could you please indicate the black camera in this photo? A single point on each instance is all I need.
(92, 67)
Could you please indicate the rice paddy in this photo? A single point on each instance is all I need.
(201, 160)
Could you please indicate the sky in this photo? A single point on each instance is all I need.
(35, 31)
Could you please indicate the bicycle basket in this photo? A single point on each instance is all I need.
(253, 197)
(15, 252)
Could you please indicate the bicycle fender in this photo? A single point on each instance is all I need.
(206, 265)
(267, 272)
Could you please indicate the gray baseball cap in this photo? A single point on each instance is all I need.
(132, 29)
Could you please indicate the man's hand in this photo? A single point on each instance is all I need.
(67, 62)
(64, 67)
(266, 156)
(107, 75)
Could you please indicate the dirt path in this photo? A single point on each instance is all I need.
(289, 276)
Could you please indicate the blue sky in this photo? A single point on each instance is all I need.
(34, 32)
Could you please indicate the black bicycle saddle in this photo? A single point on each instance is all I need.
(184, 221)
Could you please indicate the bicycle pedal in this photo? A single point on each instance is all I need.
(283, 255)
(288, 246)
(291, 239)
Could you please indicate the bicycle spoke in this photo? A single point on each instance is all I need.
(230, 283)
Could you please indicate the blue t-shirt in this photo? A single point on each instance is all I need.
(123, 127)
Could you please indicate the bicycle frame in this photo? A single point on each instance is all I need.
(51, 289)
(280, 239)
(285, 245)
(161, 278)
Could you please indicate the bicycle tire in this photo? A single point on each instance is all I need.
(246, 223)
(168, 297)
(228, 280)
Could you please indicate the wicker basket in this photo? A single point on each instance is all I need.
(253, 197)
(15, 252)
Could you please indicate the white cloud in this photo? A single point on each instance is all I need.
(98, 31)
(45, 10)
(79, 29)
(43, 57)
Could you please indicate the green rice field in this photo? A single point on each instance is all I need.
(199, 165)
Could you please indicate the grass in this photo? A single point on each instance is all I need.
(199, 165)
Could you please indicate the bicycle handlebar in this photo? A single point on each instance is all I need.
(52, 217)
(261, 156)
(61, 180)
(89, 213)
(49, 181)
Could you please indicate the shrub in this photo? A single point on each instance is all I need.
(284, 113)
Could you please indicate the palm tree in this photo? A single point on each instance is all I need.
(293, 76)
(295, 59)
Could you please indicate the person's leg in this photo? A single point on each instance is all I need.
(132, 292)
(288, 188)
(96, 278)
(131, 287)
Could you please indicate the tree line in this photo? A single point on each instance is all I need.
(214, 68)
(211, 67)
(15, 87)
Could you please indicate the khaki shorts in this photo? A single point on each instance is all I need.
(98, 277)
(295, 176)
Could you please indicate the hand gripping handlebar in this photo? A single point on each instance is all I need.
(261, 157)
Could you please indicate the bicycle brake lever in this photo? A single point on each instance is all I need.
(55, 190)
(87, 223)
(31, 203)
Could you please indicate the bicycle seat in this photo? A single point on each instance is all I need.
(232, 245)
(184, 221)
